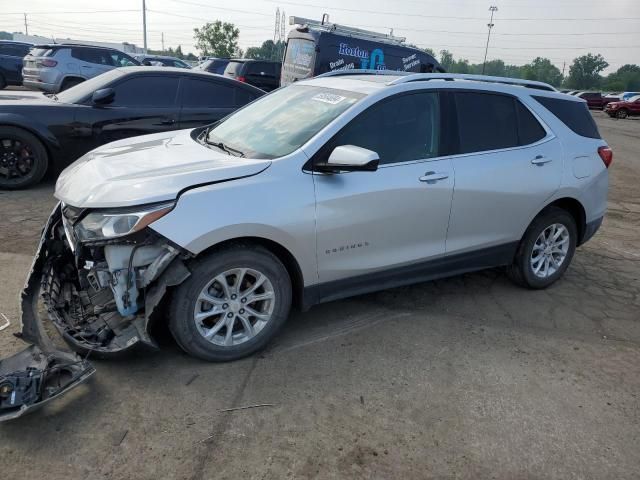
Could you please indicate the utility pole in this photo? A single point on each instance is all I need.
(162, 42)
(276, 31)
(492, 9)
(564, 64)
(26, 25)
(144, 25)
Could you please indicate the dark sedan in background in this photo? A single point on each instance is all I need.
(11, 55)
(40, 133)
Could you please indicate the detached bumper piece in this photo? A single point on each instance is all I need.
(32, 378)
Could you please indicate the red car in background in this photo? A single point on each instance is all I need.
(624, 108)
(594, 99)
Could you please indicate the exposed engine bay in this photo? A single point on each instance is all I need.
(98, 293)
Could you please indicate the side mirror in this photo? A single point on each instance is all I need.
(147, 63)
(104, 96)
(349, 158)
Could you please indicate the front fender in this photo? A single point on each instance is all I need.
(33, 126)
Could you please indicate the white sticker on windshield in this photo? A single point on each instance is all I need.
(328, 98)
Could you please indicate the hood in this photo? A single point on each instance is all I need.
(13, 97)
(148, 169)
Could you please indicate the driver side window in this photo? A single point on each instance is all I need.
(400, 129)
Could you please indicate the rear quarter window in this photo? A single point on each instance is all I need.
(574, 115)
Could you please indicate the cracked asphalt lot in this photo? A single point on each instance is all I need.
(466, 378)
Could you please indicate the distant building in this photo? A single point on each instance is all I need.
(123, 46)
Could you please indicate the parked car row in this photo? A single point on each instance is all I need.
(11, 55)
(46, 133)
(599, 100)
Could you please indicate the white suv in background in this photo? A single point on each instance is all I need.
(54, 68)
(334, 186)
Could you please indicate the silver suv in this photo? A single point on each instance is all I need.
(54, 68)
(331, 187)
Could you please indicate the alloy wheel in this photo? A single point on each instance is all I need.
(550, 250)
(17, 159)
(234, 307)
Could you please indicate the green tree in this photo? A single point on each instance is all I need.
(626, 78)
(460, 66)
(429, 51)
(542, 70)
(585, 71)
(217, 39)
(492, 67)
(267, 51)
(446, 60)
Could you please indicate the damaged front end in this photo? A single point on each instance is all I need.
(100, 275)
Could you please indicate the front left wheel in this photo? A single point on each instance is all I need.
(23, 159)
(233, 304)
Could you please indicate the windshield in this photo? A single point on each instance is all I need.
(83, 90)
(634, 99)
(283, 121)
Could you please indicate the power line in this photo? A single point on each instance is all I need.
(223, 9)
(66, 13)
(377, 12)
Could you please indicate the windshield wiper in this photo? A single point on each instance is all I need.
(225, 148)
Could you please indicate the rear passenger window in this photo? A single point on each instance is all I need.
(202, 93)
(574, 115)
(529, 129)
(243, 97)
(401, 129)
(486, 121)
(146, 91)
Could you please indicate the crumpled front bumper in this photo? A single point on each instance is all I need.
(43, 372)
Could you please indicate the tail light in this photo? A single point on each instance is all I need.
(241, 79)
(606, 154)
(47, 63)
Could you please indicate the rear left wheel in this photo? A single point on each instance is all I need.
(546, 249)
(233, 304)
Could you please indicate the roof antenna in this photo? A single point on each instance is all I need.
(325, 17)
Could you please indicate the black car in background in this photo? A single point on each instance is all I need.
(213, 65)
(161, 61)
(11, 55)
(40, 133)
(259, 73)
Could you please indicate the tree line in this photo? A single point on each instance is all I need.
(585, 72)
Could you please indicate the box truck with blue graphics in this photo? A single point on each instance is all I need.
(317, 47)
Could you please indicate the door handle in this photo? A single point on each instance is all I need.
(540, 160)
(168, 121)
(433, 177)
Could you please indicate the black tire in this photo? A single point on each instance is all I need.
(204, 270)
(521, 271)
(10, 140)
(70, 82)
(622, 113)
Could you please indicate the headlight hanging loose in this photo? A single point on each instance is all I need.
(106, 224)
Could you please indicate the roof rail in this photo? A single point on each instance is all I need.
(418, 77)
(359, 71)
(345, 30)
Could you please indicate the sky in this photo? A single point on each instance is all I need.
(557, 29)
